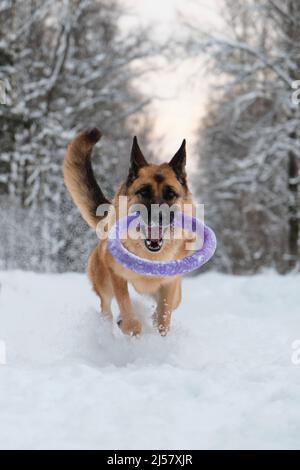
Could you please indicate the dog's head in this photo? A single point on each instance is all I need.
(157, 188)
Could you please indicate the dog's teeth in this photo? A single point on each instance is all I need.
(153, 245)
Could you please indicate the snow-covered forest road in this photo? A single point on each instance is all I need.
(223, 378)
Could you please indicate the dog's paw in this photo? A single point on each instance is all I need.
(163, 329)
(132, 327)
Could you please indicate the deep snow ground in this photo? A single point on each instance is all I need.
(223, 378)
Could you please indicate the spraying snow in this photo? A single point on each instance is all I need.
(223, 378)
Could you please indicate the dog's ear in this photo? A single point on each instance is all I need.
(137, 160)
(178, 162)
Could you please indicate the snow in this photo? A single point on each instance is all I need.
(223, 378)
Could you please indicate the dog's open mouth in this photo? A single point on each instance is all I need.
(153, 245)
(153, 238)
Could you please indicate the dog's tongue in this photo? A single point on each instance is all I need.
(154, 233)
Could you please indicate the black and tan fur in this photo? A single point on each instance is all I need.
(110, 279)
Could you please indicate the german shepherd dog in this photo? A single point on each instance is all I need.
(146, 184)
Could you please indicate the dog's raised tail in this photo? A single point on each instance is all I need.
(79, 176)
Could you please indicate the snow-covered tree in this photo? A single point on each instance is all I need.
(68, 67)
(249, 145)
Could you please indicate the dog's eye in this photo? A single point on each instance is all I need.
(169, 194)
(145, 192)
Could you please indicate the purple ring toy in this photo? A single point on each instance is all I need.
(163, 268)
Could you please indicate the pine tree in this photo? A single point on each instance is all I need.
(249, 146)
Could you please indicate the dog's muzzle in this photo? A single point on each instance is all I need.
(153, 237)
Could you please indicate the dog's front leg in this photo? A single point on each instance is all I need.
(129, 324)
(169, 297)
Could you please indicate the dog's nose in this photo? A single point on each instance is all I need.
(161, 216)
(158, 215)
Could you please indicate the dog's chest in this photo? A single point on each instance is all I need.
(147, 284)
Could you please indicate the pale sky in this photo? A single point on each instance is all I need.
(183, 98)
